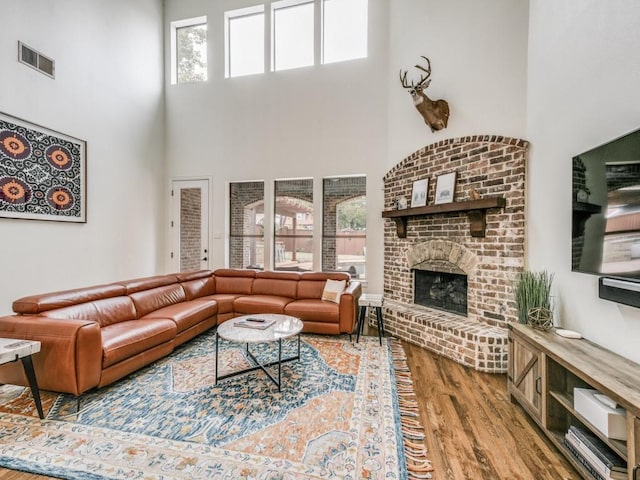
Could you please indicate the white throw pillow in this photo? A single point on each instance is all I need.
(333, 289)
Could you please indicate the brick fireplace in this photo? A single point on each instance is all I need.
(452, 248)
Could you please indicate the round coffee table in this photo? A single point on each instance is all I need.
(259, 328)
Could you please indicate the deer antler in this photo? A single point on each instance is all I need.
(403, 79)
(424, 78)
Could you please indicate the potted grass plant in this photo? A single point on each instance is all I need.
(533, 298)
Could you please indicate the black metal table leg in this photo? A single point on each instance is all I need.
(360, 322)
(27, 364)
(216, 377)
(279, 363)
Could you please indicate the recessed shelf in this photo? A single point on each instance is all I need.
(475, 209)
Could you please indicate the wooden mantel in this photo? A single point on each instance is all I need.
(475, 209)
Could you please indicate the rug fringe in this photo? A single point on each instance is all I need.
(418, 465)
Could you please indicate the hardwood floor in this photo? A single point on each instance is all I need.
(473, 430)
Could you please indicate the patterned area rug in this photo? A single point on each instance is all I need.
(345, 411)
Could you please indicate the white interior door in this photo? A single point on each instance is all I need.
(189, 225)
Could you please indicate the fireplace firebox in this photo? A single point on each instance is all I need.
(440, 290)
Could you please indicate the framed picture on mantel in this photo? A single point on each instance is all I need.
(445, 187)
(419, 193)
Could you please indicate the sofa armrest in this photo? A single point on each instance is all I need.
(70, 357)
(349, 306)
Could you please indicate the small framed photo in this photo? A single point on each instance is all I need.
(419, 193)
(445, 187)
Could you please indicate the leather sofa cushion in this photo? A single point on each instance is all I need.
(234, 284)
(186, 314)
(270, 286)
(105, 312)
(312, 284)
(35, 304)
(199, 287)
(193, 275)
(260, 304)
(146, 283)
(279, 275)
(313, 310)
(310, 289)
(126, 339)
(148, 301)
(321, 276)
(224, 301)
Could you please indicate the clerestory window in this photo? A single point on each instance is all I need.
(189, 50)
(244, 41)
(292, 29)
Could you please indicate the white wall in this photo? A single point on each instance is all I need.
(583, 91)
(478, 53)
(108, 91)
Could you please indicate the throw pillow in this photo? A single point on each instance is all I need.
(333, 289)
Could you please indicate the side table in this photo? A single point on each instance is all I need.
(12, 349)
(376, 301)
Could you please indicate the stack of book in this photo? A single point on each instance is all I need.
(257, 323)
(602, 462)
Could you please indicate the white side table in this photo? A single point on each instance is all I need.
(376, 301)
(12, 349)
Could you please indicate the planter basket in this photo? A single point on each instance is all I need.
(540, 318)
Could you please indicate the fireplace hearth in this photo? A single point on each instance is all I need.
(443, 291)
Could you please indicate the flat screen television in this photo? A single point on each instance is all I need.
(606, 209)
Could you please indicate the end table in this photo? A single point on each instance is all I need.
(376, 301)
(12, 349)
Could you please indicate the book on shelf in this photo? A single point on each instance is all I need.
(255, 323)
(591, 461)
(605, 454)
(583, 461)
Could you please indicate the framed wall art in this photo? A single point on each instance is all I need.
(42, 173)
(419, 193)
(445, 187)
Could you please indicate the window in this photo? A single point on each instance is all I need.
(292, 28)
(344, 33)
(244, 41)
(246, 239)
(293, 225)
(189, 50)
(344, 225)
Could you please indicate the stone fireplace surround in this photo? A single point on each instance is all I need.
(486, 165)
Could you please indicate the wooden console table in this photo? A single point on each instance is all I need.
(475, 209)
(544, 368)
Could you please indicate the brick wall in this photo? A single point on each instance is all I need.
(490, 166)
(246, 243)
(190, 226)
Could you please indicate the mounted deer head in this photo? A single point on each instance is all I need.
(435, 113)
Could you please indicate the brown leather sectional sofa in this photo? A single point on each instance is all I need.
(93, 336)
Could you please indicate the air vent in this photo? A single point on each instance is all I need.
(35, 59)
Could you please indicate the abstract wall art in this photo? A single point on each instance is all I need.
(42, 173)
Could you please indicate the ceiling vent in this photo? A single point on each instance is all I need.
(35, 59)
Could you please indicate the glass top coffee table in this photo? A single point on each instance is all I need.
(259, 328)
